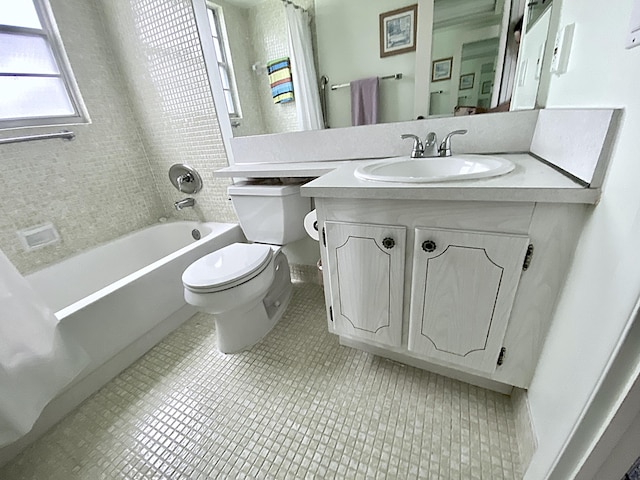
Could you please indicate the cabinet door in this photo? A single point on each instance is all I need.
(366, 268)
(463, 287)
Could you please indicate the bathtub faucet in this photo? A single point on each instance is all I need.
(187, 202)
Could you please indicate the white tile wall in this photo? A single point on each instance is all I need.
(145, 86)
(157, 44)
(94, 188)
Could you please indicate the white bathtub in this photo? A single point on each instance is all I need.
(118, 300)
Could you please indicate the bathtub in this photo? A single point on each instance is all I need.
(118, 300)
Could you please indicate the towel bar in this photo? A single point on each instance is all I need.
(395, 76)
(66, 134)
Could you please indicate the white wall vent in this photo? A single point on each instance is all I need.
(39, 236)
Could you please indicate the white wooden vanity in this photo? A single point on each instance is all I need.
(460, 278)
(435, 273)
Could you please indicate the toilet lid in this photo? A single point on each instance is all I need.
(229, 265)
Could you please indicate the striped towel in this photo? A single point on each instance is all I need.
(280, 79)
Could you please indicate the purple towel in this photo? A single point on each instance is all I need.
(364, 101)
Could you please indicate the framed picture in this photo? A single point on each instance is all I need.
(441, 69)
(398, 31)
(486, 87)
(466, 81)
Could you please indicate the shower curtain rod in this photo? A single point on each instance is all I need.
(295, 6)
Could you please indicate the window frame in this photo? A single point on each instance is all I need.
(226, 62)
(51, 35)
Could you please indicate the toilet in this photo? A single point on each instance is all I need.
(247, 286)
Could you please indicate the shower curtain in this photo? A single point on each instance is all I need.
(36, 363)
(305, 85)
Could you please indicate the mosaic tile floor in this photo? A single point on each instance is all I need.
(298, 405)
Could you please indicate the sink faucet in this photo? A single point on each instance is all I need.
(421, 150)
(187, 202)
(445, 146)
(430, 146)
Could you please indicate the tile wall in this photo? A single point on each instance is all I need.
(158, 48)
(144, 84)
(98, 186)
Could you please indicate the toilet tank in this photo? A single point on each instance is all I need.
(271, 214)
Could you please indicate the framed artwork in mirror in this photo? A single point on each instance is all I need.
(398, 31)
(466, 81)
(441, 69)
(486, 87)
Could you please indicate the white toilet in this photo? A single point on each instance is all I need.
(248, 286)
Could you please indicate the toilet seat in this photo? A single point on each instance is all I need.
(226, 268)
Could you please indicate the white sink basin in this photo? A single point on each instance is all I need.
(437, 169)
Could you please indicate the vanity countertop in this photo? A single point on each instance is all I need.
(291, 169)
(531, 181)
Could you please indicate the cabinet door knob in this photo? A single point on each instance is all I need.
(429, 245)
(388, 242)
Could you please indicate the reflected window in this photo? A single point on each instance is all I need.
(225, 67)
(36, 83)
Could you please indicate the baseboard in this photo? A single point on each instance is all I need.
(83, 388)
(525, 431)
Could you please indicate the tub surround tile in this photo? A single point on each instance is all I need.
(150, 107)
(158, 49)
(297, 405)
(94, 188)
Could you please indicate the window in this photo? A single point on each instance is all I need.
(225, 67)
(36, 84)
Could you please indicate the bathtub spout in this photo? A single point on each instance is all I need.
(187, 202)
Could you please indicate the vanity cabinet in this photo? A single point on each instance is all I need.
(440, 284)
(366, 276)
(462, 289)
(463, 284)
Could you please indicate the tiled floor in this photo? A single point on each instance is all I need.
(297, 405)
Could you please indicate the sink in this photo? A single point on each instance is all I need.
(436, 169)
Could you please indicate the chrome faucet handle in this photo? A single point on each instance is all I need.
(418, 150)
(445, 146)
(184, 178)
(431, 145)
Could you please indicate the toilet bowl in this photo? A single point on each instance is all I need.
(247, 286)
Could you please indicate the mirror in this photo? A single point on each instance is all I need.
(346, 46)
(534, 57)
(478, 69)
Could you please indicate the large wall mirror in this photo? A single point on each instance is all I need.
(464, 58)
